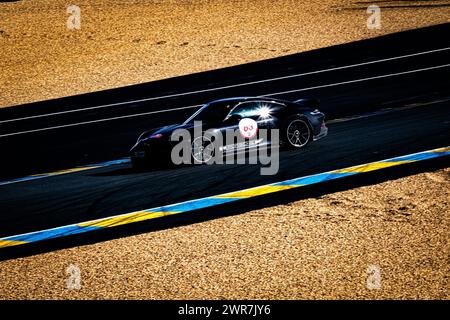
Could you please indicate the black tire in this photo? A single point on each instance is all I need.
(296, 132)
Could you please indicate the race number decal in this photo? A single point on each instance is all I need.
(248, 128)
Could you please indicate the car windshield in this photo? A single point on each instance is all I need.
(212, 112)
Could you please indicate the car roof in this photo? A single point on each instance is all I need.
(242, 99)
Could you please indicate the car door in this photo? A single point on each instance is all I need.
(259, 111)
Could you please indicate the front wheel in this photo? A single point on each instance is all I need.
(203, 149)
(296, 132)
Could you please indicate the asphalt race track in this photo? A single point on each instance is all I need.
(403, 106)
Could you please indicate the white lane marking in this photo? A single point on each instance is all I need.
(99, 120)
(228, 86)
(358, 80)
(196, 106)
(387, 110)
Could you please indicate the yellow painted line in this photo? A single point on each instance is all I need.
(373, 166)
(65, 171)
(253, 192)
(10, 243)
(446, 149)
(125, 219)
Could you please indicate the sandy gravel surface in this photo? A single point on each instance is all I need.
(123, 42)
(314, 248)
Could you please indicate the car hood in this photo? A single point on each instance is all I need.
(166, 131)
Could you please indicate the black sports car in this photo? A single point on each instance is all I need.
(299, 122)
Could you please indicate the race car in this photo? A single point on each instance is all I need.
(299, 122)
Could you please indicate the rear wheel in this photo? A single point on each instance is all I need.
(296, 132)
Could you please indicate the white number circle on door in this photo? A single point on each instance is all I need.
(248, 128)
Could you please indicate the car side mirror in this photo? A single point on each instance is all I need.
(233, 119)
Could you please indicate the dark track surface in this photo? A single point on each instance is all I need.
(78, 197)
(68, 147)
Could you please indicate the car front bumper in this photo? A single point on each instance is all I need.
(323, 132)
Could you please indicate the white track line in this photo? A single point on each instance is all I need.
(228, 87)
(196, 106)
(358, 80)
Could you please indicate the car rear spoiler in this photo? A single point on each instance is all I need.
(308, 102)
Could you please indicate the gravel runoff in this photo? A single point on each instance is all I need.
(318, 248)
(128, 42)
(315, 248)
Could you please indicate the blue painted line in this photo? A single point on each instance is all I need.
(314, 179)
(192, 205)
(110, 163)
(419, 156)
(22, 179)
(57, 173)
(52, 233)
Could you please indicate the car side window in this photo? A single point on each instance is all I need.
(255, 109)
(211, 113)
(246, 110)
